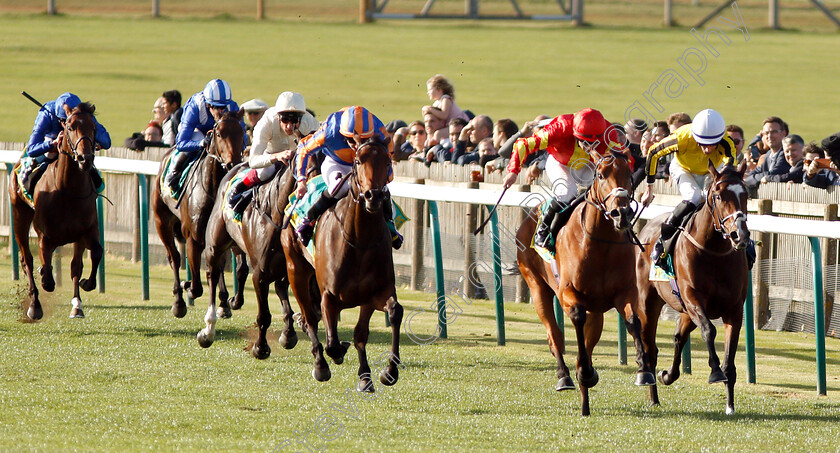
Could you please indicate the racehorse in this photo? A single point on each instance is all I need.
(64, 212)
(187, 218)
(595, 272)
(710, 265)
(258, 234)
(354, 267)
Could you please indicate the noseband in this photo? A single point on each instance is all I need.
(617, 193)
(74, 146)
(213, 150)
(358, 195)
(719, 222)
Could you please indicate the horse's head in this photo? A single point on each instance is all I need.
(79, 142)
(371, 170)
(612, 189)
(228, 139)
(727, 202)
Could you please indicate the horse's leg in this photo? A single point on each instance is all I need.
(261, 350)
(91, 242)
(193, 287)
(223, 310)
(644, 375)
(167, 237)
(76, 266)
(731, 332)
(543, 298)
(708, 332)
(684, 327)
(360, 338)
(241, 274)
(586, 374)
(288, 338)
(390, 375)
(215, 267)
(330, 309)
(300, 279)
(22, 218)
(649, 318)
(46, 249)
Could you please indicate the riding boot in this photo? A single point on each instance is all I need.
(565, 214)
(236, 201)
(543, 238)
(96, 178)
(388, 212)
(307, 224)
(665, 244)
(178, 163)
(34, 171)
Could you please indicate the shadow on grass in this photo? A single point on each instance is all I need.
(720, 416)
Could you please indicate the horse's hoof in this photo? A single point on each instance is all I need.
(261, 352)
(87, 285)
(76, 311)
(365, 385)
(35, 312)
(236, 304)
(588, 381)
(338, 353)
(730, 410)
(204, 340)
(564, 383)
(288, 340)
(179, 310)
(322, 374)
(194, 293)
(717, 376)
(665, 378)
(645, 379)
(223, 312)
(389, 377)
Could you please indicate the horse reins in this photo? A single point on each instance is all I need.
(717, 225)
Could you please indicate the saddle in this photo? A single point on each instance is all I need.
(182, 179)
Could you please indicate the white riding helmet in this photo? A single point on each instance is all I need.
(289, 101)
(217, 93)
(708, 127)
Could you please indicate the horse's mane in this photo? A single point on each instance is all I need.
(230, 115)
(730, 172)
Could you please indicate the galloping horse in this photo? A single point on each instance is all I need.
(595, 272)
(710, 265)
(258, 234)
(187, 218)
(354, 267)
(65, 211)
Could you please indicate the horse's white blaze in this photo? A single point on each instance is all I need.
(736, 189)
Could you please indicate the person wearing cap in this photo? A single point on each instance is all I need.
(276, 136)
(694, 145)
(254, 110)
(568, 139)
(47, 131)
(337, 139)
(201, 112)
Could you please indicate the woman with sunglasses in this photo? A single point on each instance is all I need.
(276, 136)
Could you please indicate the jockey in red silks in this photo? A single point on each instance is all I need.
(338, 138)
(568, 139)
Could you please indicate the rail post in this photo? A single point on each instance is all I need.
(439, 283)
(819, 314)
(622, 340)
(749, 331)
(497, 279)
(101, 275)
(558, 318)
(12, 242)
(143, 208)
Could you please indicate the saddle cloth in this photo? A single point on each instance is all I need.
(182, 179)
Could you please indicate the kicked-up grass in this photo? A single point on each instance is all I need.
(130, 377)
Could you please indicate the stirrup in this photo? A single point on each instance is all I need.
(396, 241)
(658, 255)
(304, 231)
(543, 238)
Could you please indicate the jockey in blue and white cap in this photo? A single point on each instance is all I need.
(201, 112)
(43, 143)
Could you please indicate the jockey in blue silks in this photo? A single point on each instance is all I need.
(43, 143)
(201, 112)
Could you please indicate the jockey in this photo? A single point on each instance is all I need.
(201, 112)
(695, 145)
(43, 143)
(338, 138)
(568, 138)
(276, 135)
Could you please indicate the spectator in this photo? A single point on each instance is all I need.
(436, 130)
(831, 146)
(172, 104)
(442, 152)
(677, 120)
(774, 163)
(254, 111)
(398, 130)
(737, 135)
(503, 130)
(816, 173)
(159, 110)
(151, 136)
(656, 134)
(442, 94)
(534, 163)
(477, 130)
(415, 146)
(486, 151)
(792, 146)
(634, 130)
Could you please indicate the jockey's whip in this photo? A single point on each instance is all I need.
(34, 101)
(490, 216)
(289, 217)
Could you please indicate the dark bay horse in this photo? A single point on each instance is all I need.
(258, 235)
(187, 219)
(354, 267)
(595, 273)
(65, 211)
(710, 265)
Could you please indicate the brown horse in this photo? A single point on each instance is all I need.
(595, 272)
(65, 211)
(710, 265)
(187, 219)
(354, 267)
(258, 234)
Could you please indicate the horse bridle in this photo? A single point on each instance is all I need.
(75, 145)
(213, 146)
(359, 195)
(718, 222)
(618, 192)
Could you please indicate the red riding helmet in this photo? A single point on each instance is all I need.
(589, 125)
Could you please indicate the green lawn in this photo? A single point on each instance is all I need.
(130, 377)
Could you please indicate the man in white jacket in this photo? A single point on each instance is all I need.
(276, 136)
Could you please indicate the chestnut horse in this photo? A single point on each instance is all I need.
(595, 273)
(187, 219)
(258, 235)
(354, 267)
(65, 211)
(710, 265)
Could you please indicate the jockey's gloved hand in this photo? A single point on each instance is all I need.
(207, 139)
